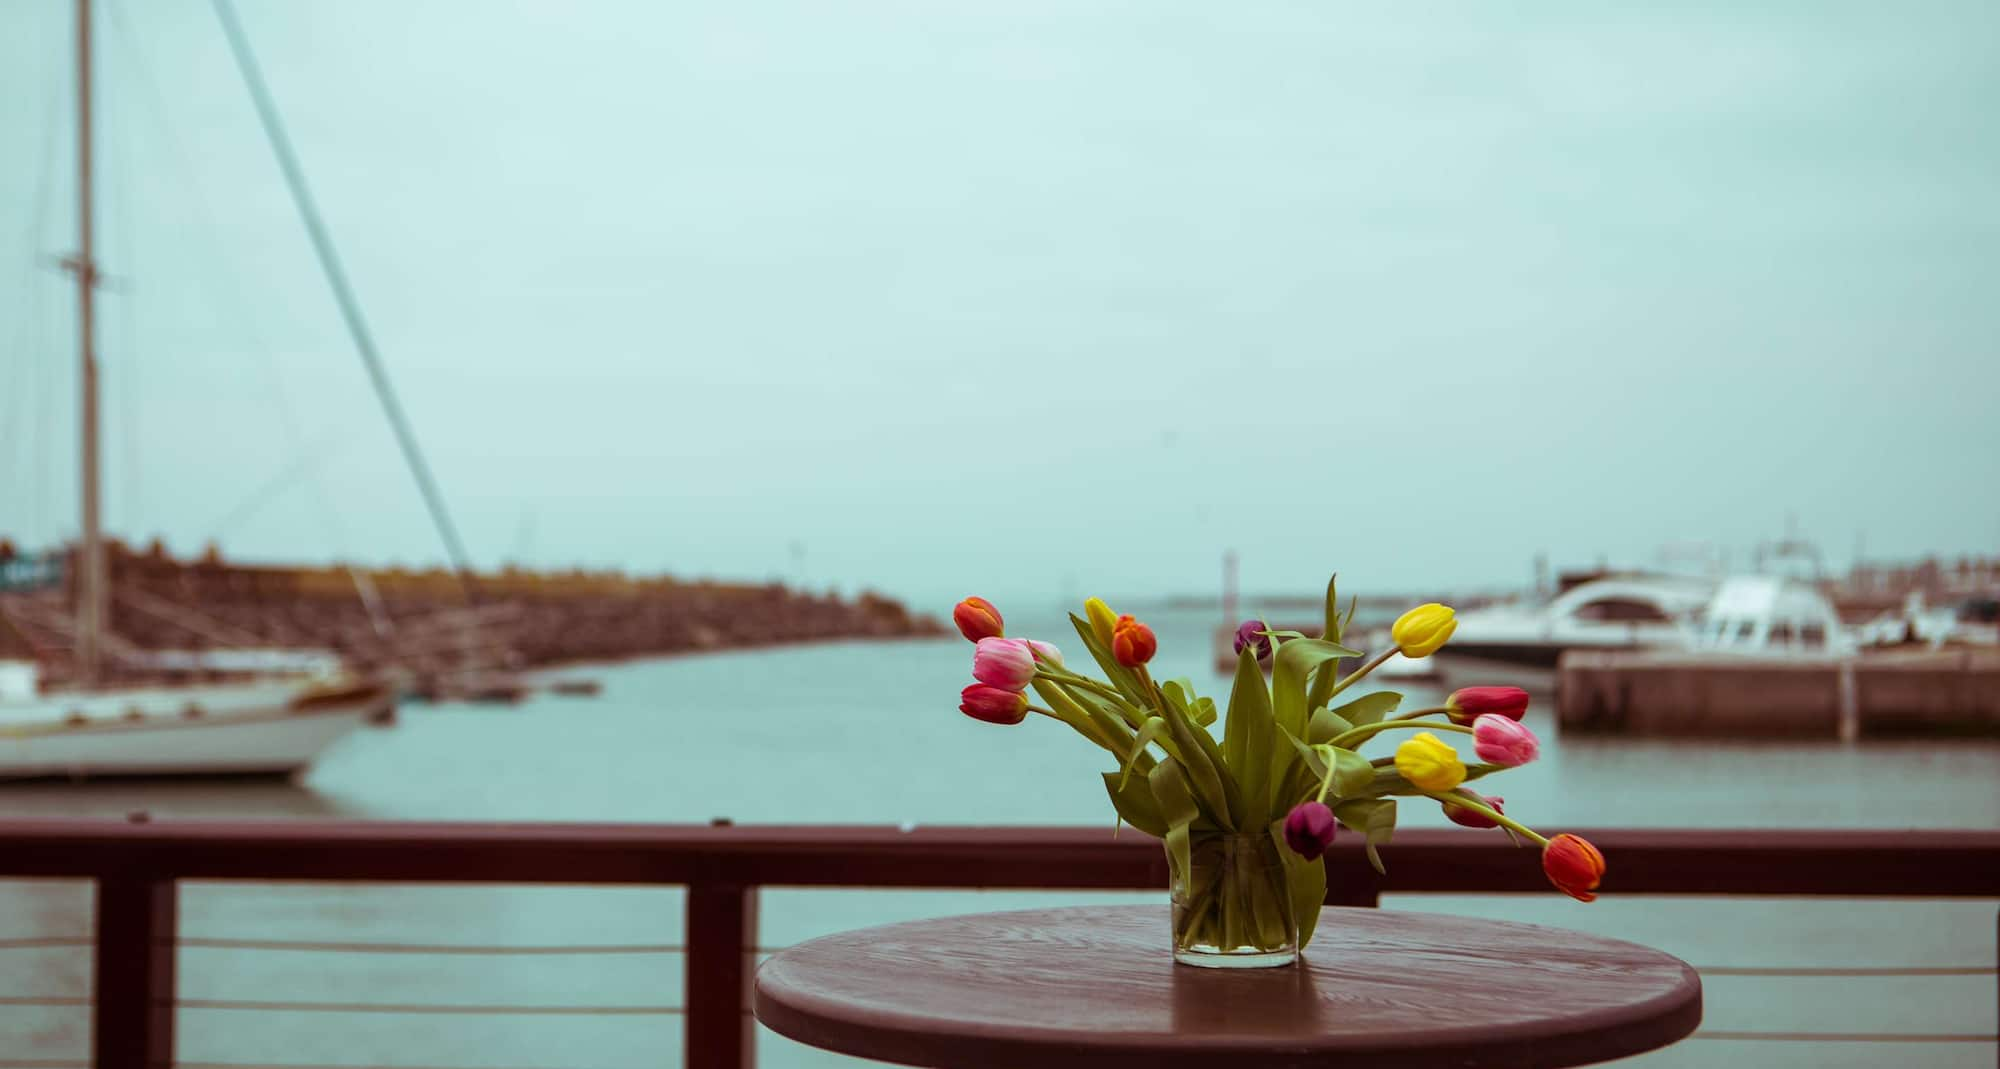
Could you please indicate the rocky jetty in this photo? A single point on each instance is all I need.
(368, 614)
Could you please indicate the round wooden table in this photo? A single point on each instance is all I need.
(1097, 987)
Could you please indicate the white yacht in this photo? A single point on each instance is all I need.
(1521, 644)
(1771, 617)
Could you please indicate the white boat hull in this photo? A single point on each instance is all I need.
(242, 730)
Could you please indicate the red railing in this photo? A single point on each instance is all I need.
(137, 868)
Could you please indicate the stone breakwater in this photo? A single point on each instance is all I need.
(539, 618)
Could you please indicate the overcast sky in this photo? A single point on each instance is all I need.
(1026, 297)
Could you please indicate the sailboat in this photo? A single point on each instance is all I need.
(96, 727)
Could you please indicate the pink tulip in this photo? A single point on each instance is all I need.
(1006, 663)
(1046, 651)
(995, 705)
(1500, 741)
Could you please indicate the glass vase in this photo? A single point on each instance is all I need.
(1233, 905)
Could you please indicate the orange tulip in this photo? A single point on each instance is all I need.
(977, 618)
(1574, 866)
(1132, 642)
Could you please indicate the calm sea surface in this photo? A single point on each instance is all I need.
(868, 733)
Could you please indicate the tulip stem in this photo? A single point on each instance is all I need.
(1420, 713)
(1489, 813)
(1350, 739)
(1069, 678)
(1376, 662)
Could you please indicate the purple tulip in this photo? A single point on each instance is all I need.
(1250, 635)
(1309, 829)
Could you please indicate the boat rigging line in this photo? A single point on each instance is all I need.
(350, 306)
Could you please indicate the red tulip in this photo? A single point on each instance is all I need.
(1309, 829)
(995, 705)
(1132, 642)
(1467, 704)
(1574, 866)
(976, 619)
(1472, 818)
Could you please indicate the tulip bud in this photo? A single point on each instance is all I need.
(1102, 620)
(1132, 642)
(1467, 704)
(995, 705)
(1419, 632)
(1500, 741)
(1429, 763)
(1309, 829)
(977, 618)
(1250, 635)
(1471, 818)
(1003, 662)
(1574, 866)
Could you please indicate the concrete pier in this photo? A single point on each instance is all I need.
(1947, 692)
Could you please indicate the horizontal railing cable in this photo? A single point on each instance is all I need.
(1853, 1037)
(590, 949)
(275, 1006)
(346, 947)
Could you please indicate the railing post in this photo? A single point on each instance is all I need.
(133, 1005)
(721, 937)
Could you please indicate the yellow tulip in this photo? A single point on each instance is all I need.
(1430, 763)
(1102, 620)
(1419, 632)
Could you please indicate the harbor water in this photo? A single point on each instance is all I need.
(868, 733)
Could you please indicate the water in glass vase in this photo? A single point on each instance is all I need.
(1233, 905)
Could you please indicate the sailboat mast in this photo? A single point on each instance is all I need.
(90, 580)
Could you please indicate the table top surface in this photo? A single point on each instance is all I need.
(1098, 987)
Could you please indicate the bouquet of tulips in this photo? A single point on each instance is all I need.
(1245, 819)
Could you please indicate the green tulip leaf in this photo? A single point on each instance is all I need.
(1135, 805)
(1200, 710)
(1179, 812)
(1296, 660)
(1080, 710)
(1248, 739)
(1374, 818)
(1306, 881)
(1334, 629)
(1202, 761)
(1310, 757)
(1369, 708)
(1326, 725)
(1148, 731)
(1352, 774)
(1292, 666)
